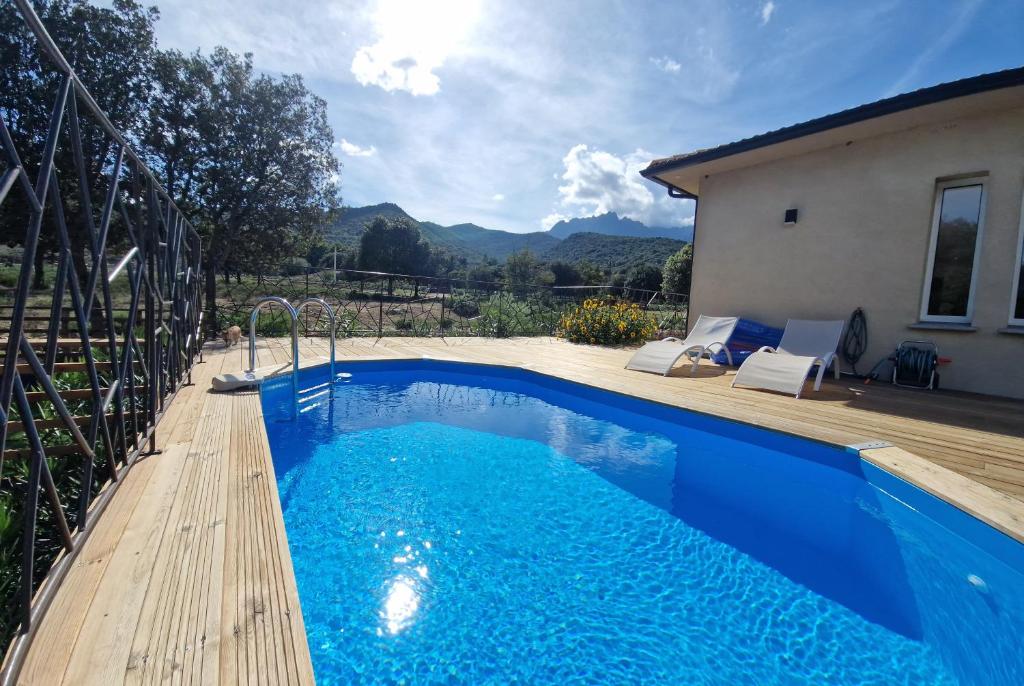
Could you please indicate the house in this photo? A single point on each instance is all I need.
(909, 207)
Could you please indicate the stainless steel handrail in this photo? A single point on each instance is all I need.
(306, 302)
(295, 336)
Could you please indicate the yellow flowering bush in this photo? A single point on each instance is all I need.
(606, 320)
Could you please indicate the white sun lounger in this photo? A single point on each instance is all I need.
(805, 343)
(658, 357)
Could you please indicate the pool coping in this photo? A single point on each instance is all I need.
(982, 502)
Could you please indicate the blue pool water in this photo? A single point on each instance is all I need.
(466, 524)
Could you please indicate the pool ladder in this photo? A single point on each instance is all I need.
(293, 315)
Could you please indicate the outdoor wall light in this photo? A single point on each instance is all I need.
(790, 217)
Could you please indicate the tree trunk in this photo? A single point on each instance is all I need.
(211, 300)
(39, 276)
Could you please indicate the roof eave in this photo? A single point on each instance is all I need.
(673, 190)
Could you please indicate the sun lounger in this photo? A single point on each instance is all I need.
(659, 357)
(805, 343)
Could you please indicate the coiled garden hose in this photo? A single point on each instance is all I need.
(915, 365)
(855, 340)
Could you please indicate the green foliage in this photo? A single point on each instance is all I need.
(616, 253)
(565, 274)
(644, 277)
(319, 254)
(677, 271)
(110, 49)
(293, 266)
(246, 155)
(466, 307)
(607, 321)
(394, 246)
(521, 268)
(487, 272)
(445, 263)
(590, 274)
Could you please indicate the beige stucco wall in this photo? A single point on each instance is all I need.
(862, 240)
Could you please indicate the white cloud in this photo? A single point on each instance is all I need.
(666, 64)
(547, 222)
(597, 182)
(353, 150)
(498, 197)
(413, 40)
(767, 10)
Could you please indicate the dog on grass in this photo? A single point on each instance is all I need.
(231, 336)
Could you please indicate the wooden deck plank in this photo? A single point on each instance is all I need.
(188, 577)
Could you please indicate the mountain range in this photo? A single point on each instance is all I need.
(612, 224)
(606, 240)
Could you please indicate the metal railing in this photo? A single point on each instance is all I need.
(332, 322)
(136, 309)
(293, 318)
(379, 304)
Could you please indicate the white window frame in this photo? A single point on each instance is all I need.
(940, 188)
(1017, 269)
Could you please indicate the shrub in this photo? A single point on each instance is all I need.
(606, 321)
(678, 267)
(466, 308)
(644, 277)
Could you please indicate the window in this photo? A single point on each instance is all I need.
(953, 252)
(1017, 296)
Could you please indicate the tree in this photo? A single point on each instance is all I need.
(319, 254)
(565, 274)
(521, 268)
(591, 274)
(643, 277)
(484, 275)
(248, 156)
(110, 49)
(677, 271)
(393, 245)
(446, 263)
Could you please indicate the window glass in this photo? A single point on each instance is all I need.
(1018, 297)
(955, 243)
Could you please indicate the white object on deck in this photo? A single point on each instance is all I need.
(659, 357)
(247, 379)
(231, 382)
(805, 343)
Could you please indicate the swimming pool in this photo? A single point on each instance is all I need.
(454, 523)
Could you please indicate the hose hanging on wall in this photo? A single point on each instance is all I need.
(855, 340)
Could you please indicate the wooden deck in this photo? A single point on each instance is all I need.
(187, 577)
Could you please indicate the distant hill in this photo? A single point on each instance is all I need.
(613, 225)
(604, 248)
(469, 240)
(475, 242)
(349, 226)
(618, 253)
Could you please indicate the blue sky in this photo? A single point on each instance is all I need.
(512, 114)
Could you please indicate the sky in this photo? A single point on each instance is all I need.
(513, 114)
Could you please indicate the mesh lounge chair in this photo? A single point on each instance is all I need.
(804, 343)
(658, 357)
